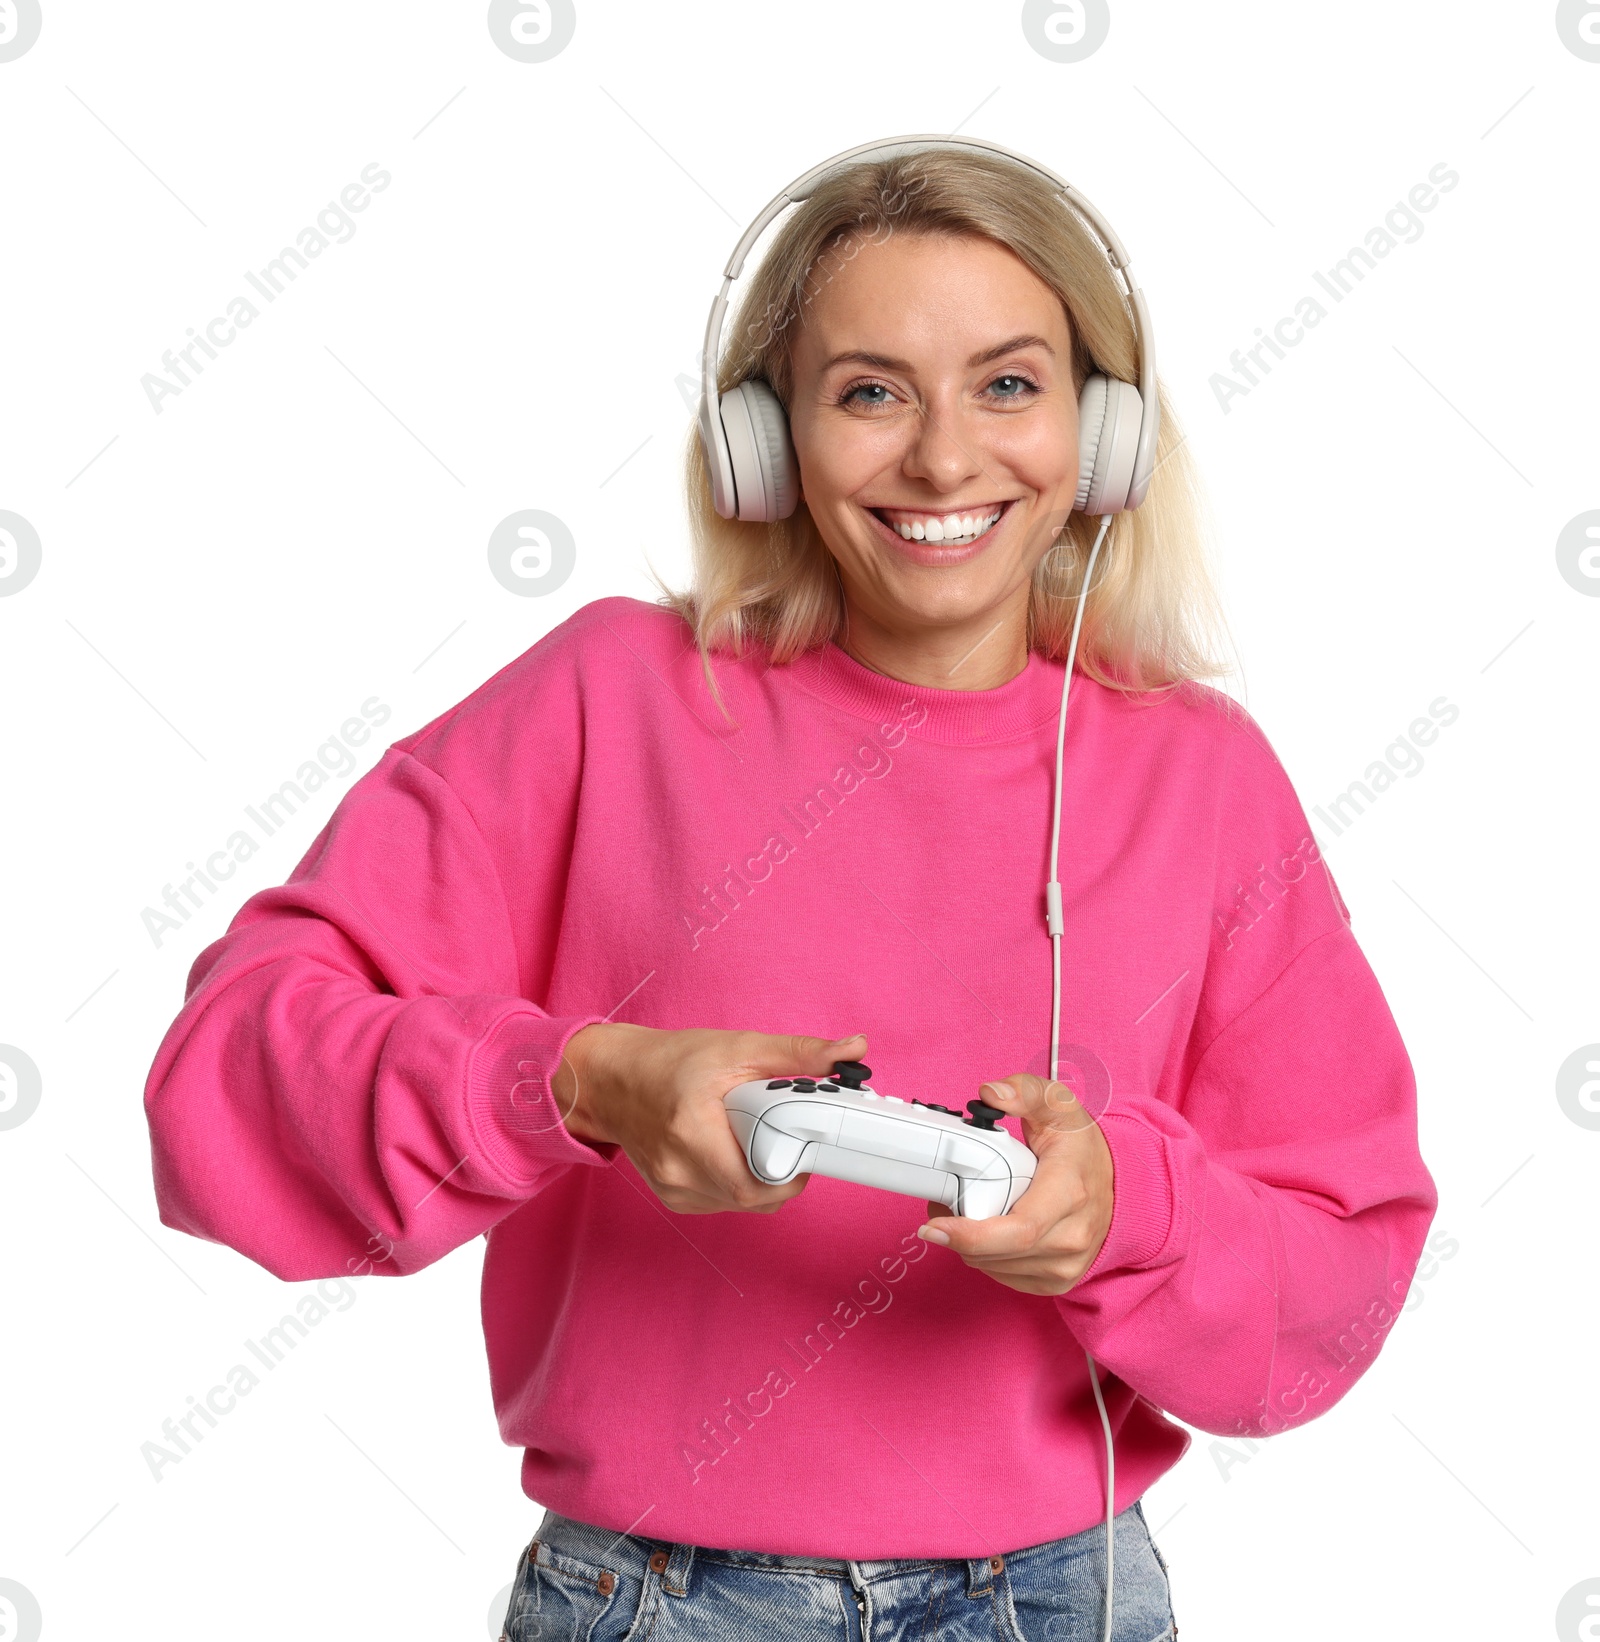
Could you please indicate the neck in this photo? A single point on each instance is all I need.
(981, 654)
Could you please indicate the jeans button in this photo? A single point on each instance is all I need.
(658, 1562)
(606, 1583)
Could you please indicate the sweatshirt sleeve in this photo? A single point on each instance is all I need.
(1270, 1212)
(356, 1081)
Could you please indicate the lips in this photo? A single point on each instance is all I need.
(939, 538)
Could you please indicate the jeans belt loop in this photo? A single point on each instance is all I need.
(673, 1563)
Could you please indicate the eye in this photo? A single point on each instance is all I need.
(1012, 386)
(869, 395)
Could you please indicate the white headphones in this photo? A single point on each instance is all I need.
(745, 432)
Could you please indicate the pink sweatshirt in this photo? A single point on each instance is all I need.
(358, 1082)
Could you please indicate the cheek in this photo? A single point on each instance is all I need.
(1043, 451)
(838, 457)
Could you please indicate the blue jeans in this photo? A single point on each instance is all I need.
(577, 1583)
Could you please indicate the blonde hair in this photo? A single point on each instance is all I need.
(1151, 617)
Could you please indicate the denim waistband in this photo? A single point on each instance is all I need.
(634, 1555)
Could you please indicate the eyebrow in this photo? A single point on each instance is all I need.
(883, 362)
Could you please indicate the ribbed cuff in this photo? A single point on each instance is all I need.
(510, 1106)
(1141, 1213)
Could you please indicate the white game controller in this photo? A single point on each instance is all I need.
(837, 1126)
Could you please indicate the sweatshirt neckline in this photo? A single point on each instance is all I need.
(966, 717)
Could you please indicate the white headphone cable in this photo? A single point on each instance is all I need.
(1055, 925)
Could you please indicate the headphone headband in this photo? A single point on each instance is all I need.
(805, 185)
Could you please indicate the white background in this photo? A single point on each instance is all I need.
(305, 527)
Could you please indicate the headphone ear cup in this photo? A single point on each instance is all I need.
(719, 467)
(766, 476)
(1109, 414)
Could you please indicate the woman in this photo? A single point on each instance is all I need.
(804, 815)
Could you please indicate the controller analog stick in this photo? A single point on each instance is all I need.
(851, 1073)
(983, 1115)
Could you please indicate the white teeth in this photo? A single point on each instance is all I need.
(949, 527)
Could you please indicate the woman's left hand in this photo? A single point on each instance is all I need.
(1055, 1229)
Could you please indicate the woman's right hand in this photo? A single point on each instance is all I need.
(658, 1095)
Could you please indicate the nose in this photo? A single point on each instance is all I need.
(942, 452)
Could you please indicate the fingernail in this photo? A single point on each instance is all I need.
(1002, 1090)
(932, 1234)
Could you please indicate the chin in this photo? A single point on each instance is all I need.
(945, 598)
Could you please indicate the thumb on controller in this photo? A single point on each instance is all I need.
(782, 1056)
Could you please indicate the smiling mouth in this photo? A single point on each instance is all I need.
(957, 528)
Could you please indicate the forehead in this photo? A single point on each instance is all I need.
(924, 295)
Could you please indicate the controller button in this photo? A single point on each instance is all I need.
(896, 1099)
(806, 1085)
(779, 1083)
(828, 1088)
(870, 1094)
